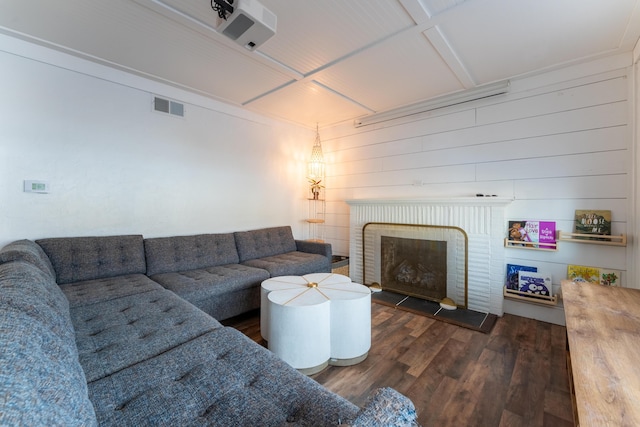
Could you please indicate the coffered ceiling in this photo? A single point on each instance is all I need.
(333, 61)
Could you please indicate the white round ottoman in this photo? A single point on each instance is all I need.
(316, 319)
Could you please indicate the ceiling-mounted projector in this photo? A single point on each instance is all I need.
(250, 24)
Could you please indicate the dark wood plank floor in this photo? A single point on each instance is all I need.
(514, 376)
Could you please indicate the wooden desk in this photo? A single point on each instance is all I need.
(603, 329)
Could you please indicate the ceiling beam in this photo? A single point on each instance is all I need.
(448, 54)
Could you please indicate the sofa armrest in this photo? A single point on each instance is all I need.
(314, 248)
(387, 407)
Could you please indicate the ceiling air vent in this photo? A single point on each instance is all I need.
(168, 106)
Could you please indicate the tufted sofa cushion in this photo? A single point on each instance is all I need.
(26, 289)
(264, 242)
(29, 251)
(45, 384)
(116, 334)
(292, 264)
(99, 290)
(233, 383)
(86, 258)
(221, 292)
(183, 253)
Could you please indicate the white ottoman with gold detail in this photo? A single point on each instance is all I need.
(315, 320)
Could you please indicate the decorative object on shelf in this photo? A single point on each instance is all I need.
(532, 234)
(315, 188)
(591, 222)
(602, 276)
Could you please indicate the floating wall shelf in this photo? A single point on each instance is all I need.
(536, 246)
(598, 239)
(530, 298)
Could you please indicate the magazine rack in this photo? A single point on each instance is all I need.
(594, 239)
(536, 246)
(528, 297)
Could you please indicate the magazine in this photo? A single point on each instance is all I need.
(602, 276)
(609, 277)
(512, 274)
(536, 234)
(534, 283)
(582, 273)
(593, 222)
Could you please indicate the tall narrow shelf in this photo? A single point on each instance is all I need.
(316, 219)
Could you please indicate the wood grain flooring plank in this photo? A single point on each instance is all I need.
(526, 391)
(516, 376)
(554, 405)
(426, 347)
(553, 421)
(494, 388)
(509, 419)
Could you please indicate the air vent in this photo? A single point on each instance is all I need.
(168, 106)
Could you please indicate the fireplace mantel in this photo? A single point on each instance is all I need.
(482, 218)
(454, 201)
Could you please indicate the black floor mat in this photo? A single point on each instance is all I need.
(482, 322)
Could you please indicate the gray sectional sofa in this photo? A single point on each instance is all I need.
(122, 330)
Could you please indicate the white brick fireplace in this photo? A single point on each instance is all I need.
(482, 218)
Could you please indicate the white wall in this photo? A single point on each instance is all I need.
(558, 142)
(116, 167)
(635, 113)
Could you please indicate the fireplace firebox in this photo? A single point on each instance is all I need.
(415, 267)
(423, 261)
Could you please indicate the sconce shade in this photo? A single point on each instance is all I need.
(315, 167)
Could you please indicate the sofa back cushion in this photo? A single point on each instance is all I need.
(87, 258)
(184, 253)
(264, 242)
(41, 380)
(28, 251)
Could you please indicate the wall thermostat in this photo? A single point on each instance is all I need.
(31, 186)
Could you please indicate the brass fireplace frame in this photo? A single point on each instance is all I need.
(441, 227)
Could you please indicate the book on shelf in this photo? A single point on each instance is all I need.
(597, 222)
(602, 276)
(535, 234)
(534, 283)
(609, 277)
(512, 274)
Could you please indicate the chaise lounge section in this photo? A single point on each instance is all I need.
(95, 335)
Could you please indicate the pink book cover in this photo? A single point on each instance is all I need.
(547, 232)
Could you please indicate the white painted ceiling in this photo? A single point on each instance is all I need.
(334, 60)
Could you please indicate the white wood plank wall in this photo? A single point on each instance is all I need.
(558, 142)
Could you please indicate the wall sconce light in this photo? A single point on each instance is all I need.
(315, 166)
